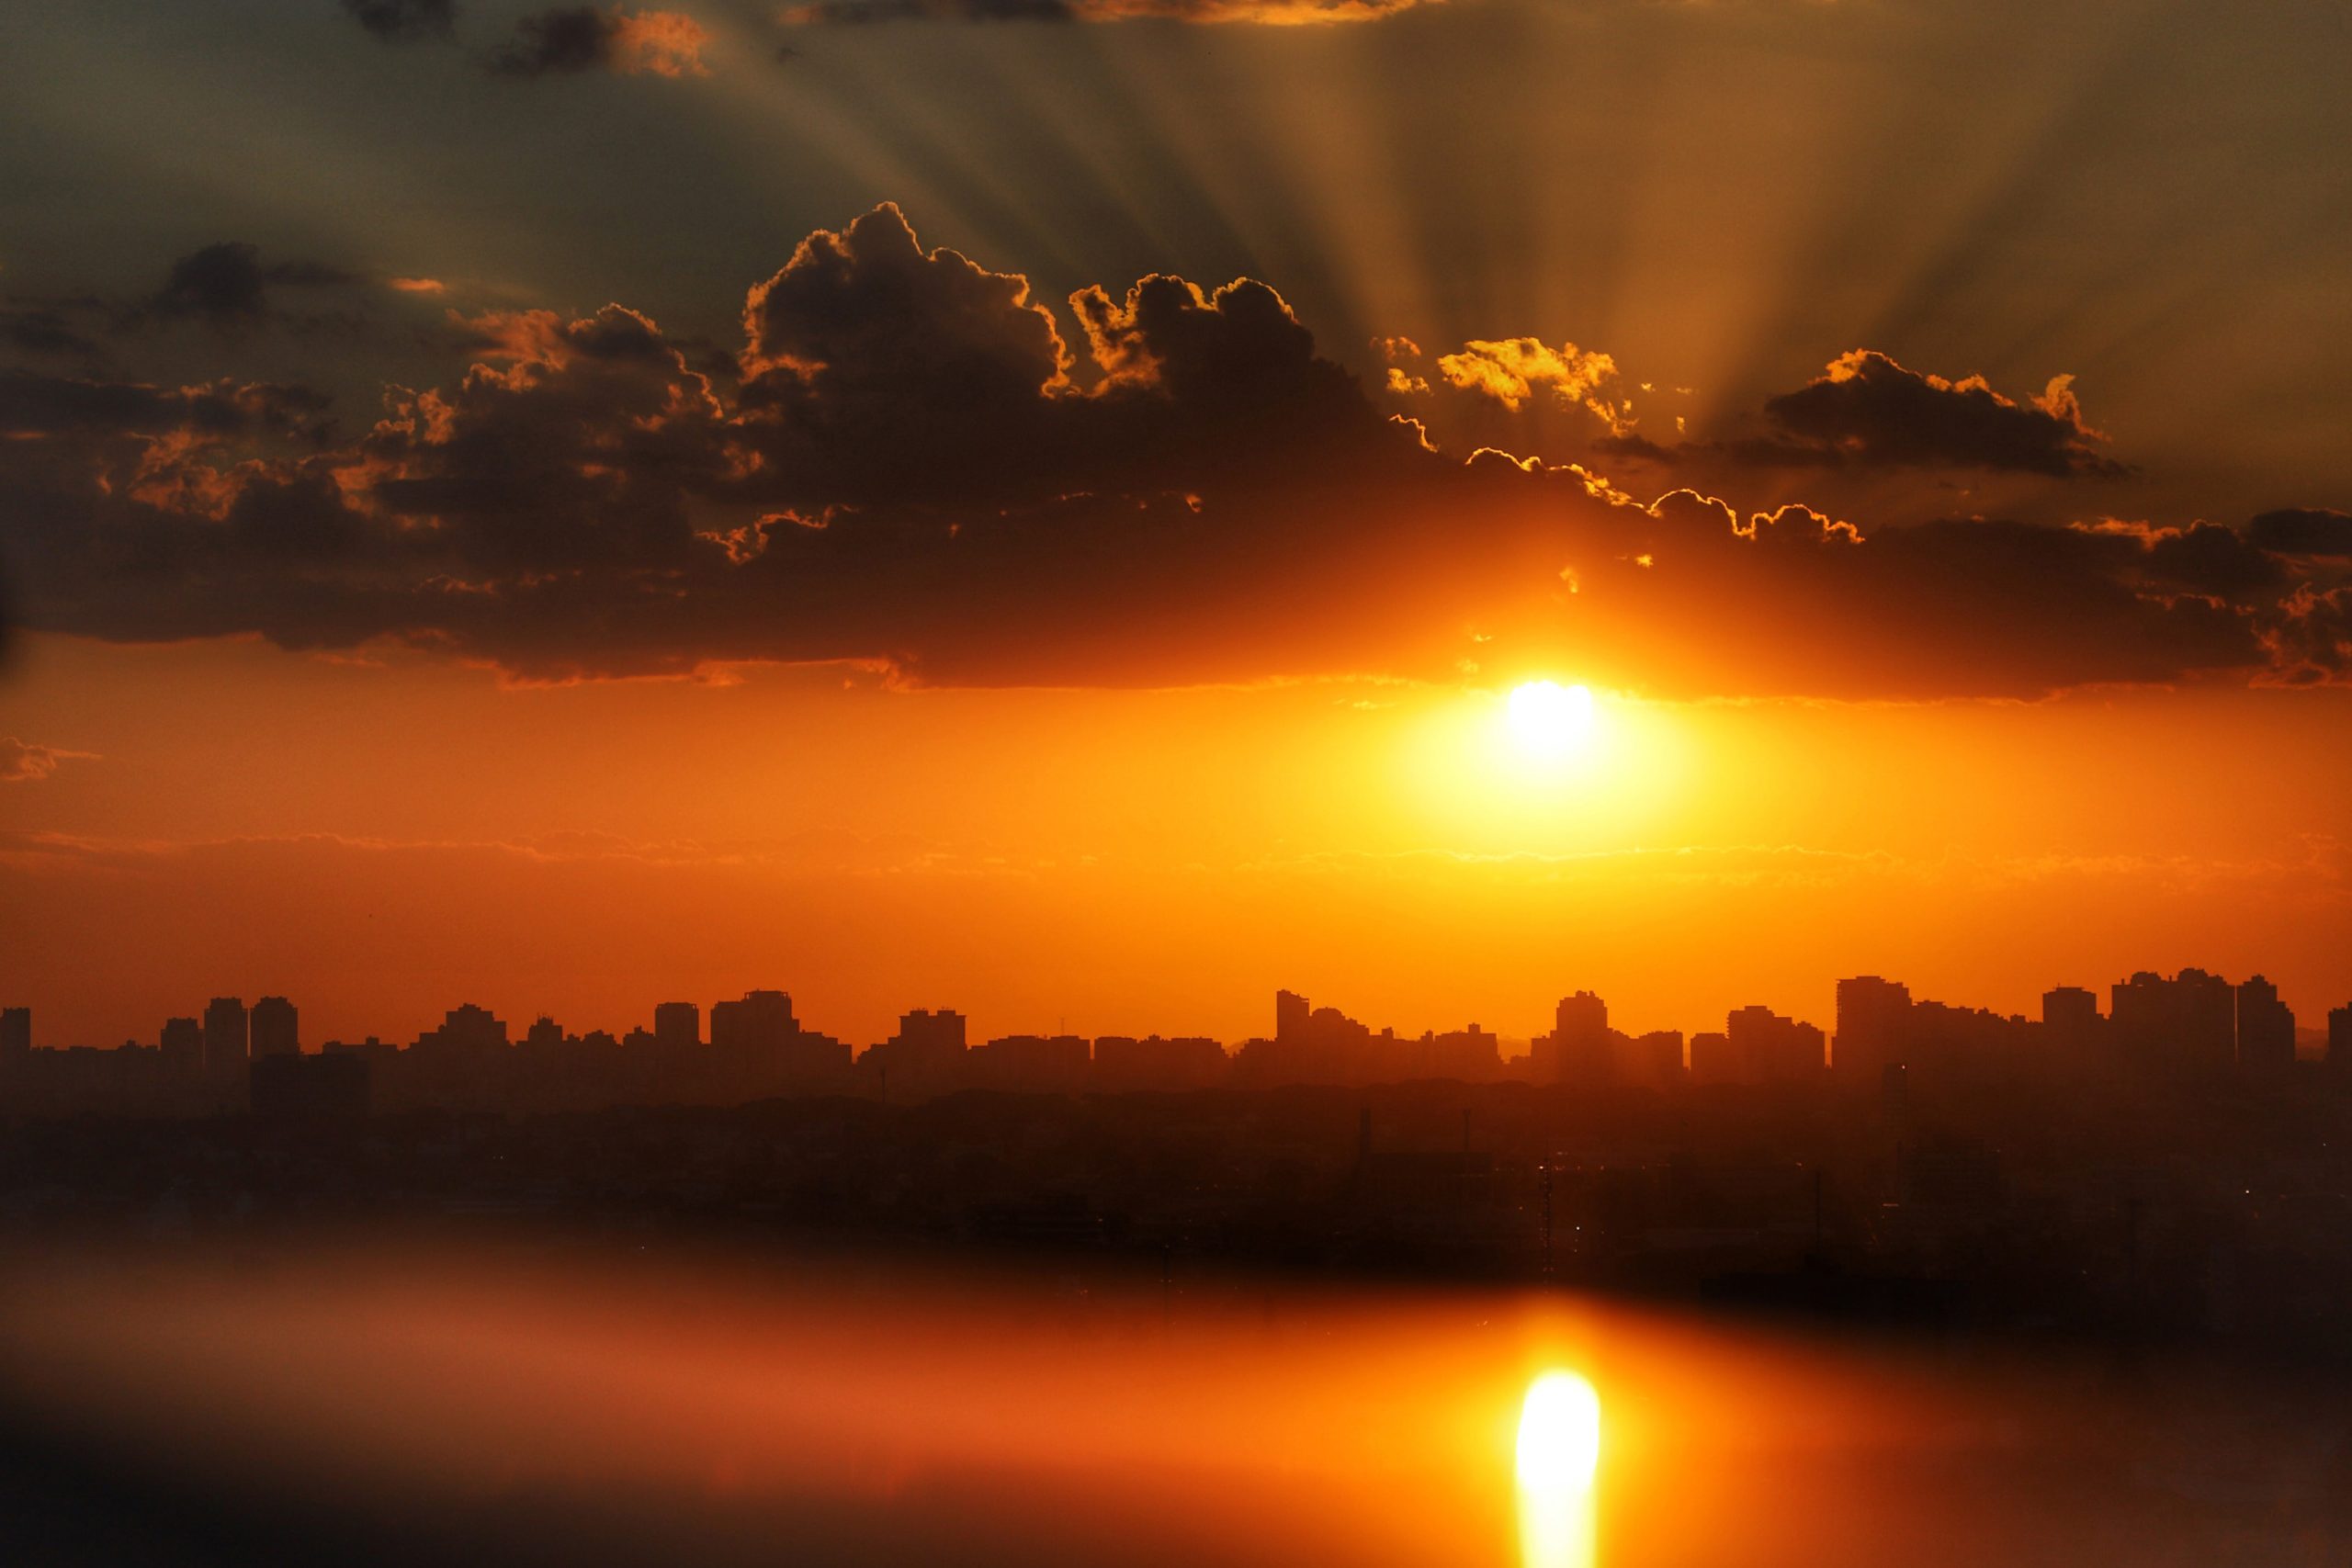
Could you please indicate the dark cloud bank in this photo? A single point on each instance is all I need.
(914, 462)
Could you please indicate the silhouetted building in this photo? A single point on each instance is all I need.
(225, 1037)
(1873, 1017)
(1767, 1048)
(1649, 1061)
(2071, 1027)
(2266, 1027)
(1124, 1065)
(925, 1056)
(465, 1028)
(1461, 1056)
(332, 1085)
(16, 1032)
(1290, 1013)
(1577, 1049)
(275, 1028)
(1032, 1063)
(182, 1045)
(1712, 1061)
(2186, 1024)
(761, 1022)
(677, 1026)
(2339, 1038)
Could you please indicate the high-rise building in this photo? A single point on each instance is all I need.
(1712, 1060)
(1767, 1048)
(2070, 1027)
(2070, 1010)
(1871, 1015)
(2266, 1027)
(1291, 1013)
(1579, 1048)
(677, 1025)
(2186, 1024)
(275, 1029)
(225, 1035)
(926, 1033)
(761, 1021)
(183, 1045)
(16, 1032)
(2339, 1038)
(465, 1029)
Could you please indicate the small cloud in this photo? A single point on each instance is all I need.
(568, 41)
(405, 21)
(228, 284)
(45, 332)
(416, 284)
(22, 761)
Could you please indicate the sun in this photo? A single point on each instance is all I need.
(1551, 720)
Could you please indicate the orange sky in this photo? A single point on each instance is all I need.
(381, 841)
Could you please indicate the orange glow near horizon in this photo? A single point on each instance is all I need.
(1124, 861)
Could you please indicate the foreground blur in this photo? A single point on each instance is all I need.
(399, 1403)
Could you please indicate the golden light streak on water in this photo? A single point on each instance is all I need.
(1559, 1454)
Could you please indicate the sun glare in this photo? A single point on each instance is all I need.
(1550, 720)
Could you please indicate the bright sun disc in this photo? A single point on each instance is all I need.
(1559, 1435)
(1549, 719)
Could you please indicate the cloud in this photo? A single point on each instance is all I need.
(44, 333)
(416, 286)
(1266, 13)
(22, 761)
(915, 463)
(227, 287)
(570, 40)
(1514, 371)
(404, 21)
(2303, 531)
(1866, 410)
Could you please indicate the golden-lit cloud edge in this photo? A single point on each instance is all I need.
(911, 465)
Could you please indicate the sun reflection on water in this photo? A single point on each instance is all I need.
(1560, 1453)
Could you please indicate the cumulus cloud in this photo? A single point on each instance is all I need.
(1514, 371)
(570, 40)
(1265, 13)
(22, 761)
(1867, 410)
(404, 21)
(915, 462)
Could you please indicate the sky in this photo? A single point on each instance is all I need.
(1039, 506)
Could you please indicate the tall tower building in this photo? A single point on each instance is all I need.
(1290, 1013)
(183, 1045)
(2266, 1027)
(226, 1036)
(1872, 1016)
(677, 1025)
(15, 1031)
(275, 1028)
